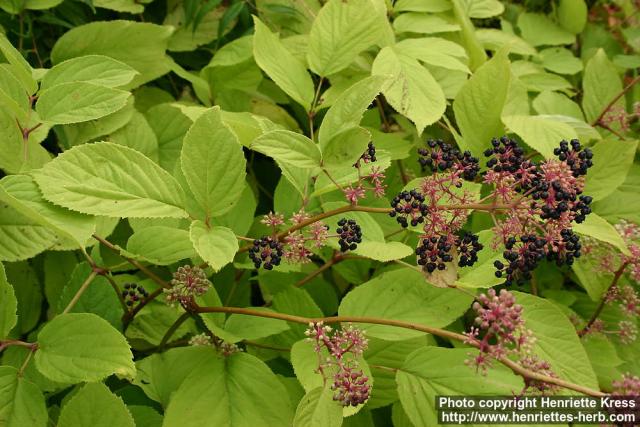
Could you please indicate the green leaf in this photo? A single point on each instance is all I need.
(161, 245)
(13, 96)
(318, 409)
(139, 135)
(435, 371)
(239, 327)
(495, 40)
(556, 340)
(598, 228)
(590, 278)
(79, 102)
(624, 202)
(170, 125)
(288, 147)
(403, 295)
(572, 15)
(483, 9)
(383, 251)
(21, 401)
(8, 305)
(95, 405)
(423, 23)
(213, 163)
(140, 45)
(285, 70)
(22, 193)
(412, 91)
(16, 156)
(76, 347)
(477, 55)
(540, 133)
(482, 273)
(243, 390)
(539, 30)
(22, 237)
(345, 148)
(28, 293)
(161, 374)
(19, 66)
(560, 60)
(612, 162)
(216, 245)
(554, 103)
(478, 105)
(340, 31)
(110, 180)
(601, 83)
(97, 69)
(435, 51)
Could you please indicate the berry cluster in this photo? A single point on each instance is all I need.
(522, 257)
(440, 157)
(433, 253)
(578, 159)
(468, 248)
(369, 156)
(133, 293)
(409, 208)
(344, 347)
(349, 233)
(506, 156)
(266, 251)
(188, 282)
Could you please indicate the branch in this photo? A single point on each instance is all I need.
(626, 89)
(603, 301)
(516, 368)
(172, 329)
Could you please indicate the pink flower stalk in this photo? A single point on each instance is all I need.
(628, 385)
(353, 194)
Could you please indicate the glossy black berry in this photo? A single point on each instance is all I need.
(266, 252)
(441, 156)
(578, 159)
(468, 248)
(433, 253)
(409, 208)
(349, 234)
(522, 257)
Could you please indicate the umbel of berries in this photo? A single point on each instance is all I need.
(409, 208)
(433, 253)
(188, 282)
(440, 157)
(133, 293)
(349, 234)
(468, 248)
(266, 251)
(369, 156)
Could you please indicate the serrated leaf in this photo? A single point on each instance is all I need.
(21, 401)
(243, 390)
(140, 45)
(601, 84)
(284, 69)
(383, 251)
(22, 193)
(539, 30)
(598, 228)
(97, 69)
(435, 371)
(8, 305)
(340, 31)
(540, 133)
(110, 180)
(241, 327)
(288, 147)
(213, 163)
(423, 23)
(76, 347)
(318, 409)
(95, 405)
(79, 102)
(137, 134)
(613, 159)
(478, 105)
(18, 65)
(16, 156)
(22, 237)
(216, 245)
(403, 295)
(412, 90)
(161, 245)
(170, 125)
(434, 51)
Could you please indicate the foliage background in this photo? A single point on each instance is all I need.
(294, 87)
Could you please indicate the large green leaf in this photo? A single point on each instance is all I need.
(161, 245)
(478, 105)
(572, 15)
(16, 156)
(435, 51)
(78, 347)
(140, 45)
(540, 133)
(97, 69)
(216, 245)
(435, 371)
(213, 164)
(340, 32)
(539, 30)
(22, 237)
(237, 391)
(239, 327)
(285, 70)
(482, 273)
(19, 66)
(612, 161)
(170, 125)
(94, 405)
(288, 147)
(598, 228)
(423, 23)
(600, 84)
(21, 401)
(556, 340)
(412, 91)
(139, 135)
(8, 305)
(110, 180)
(318, 409)
(624, 202)
(79, 102)
(403, 295)
(22, 193)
